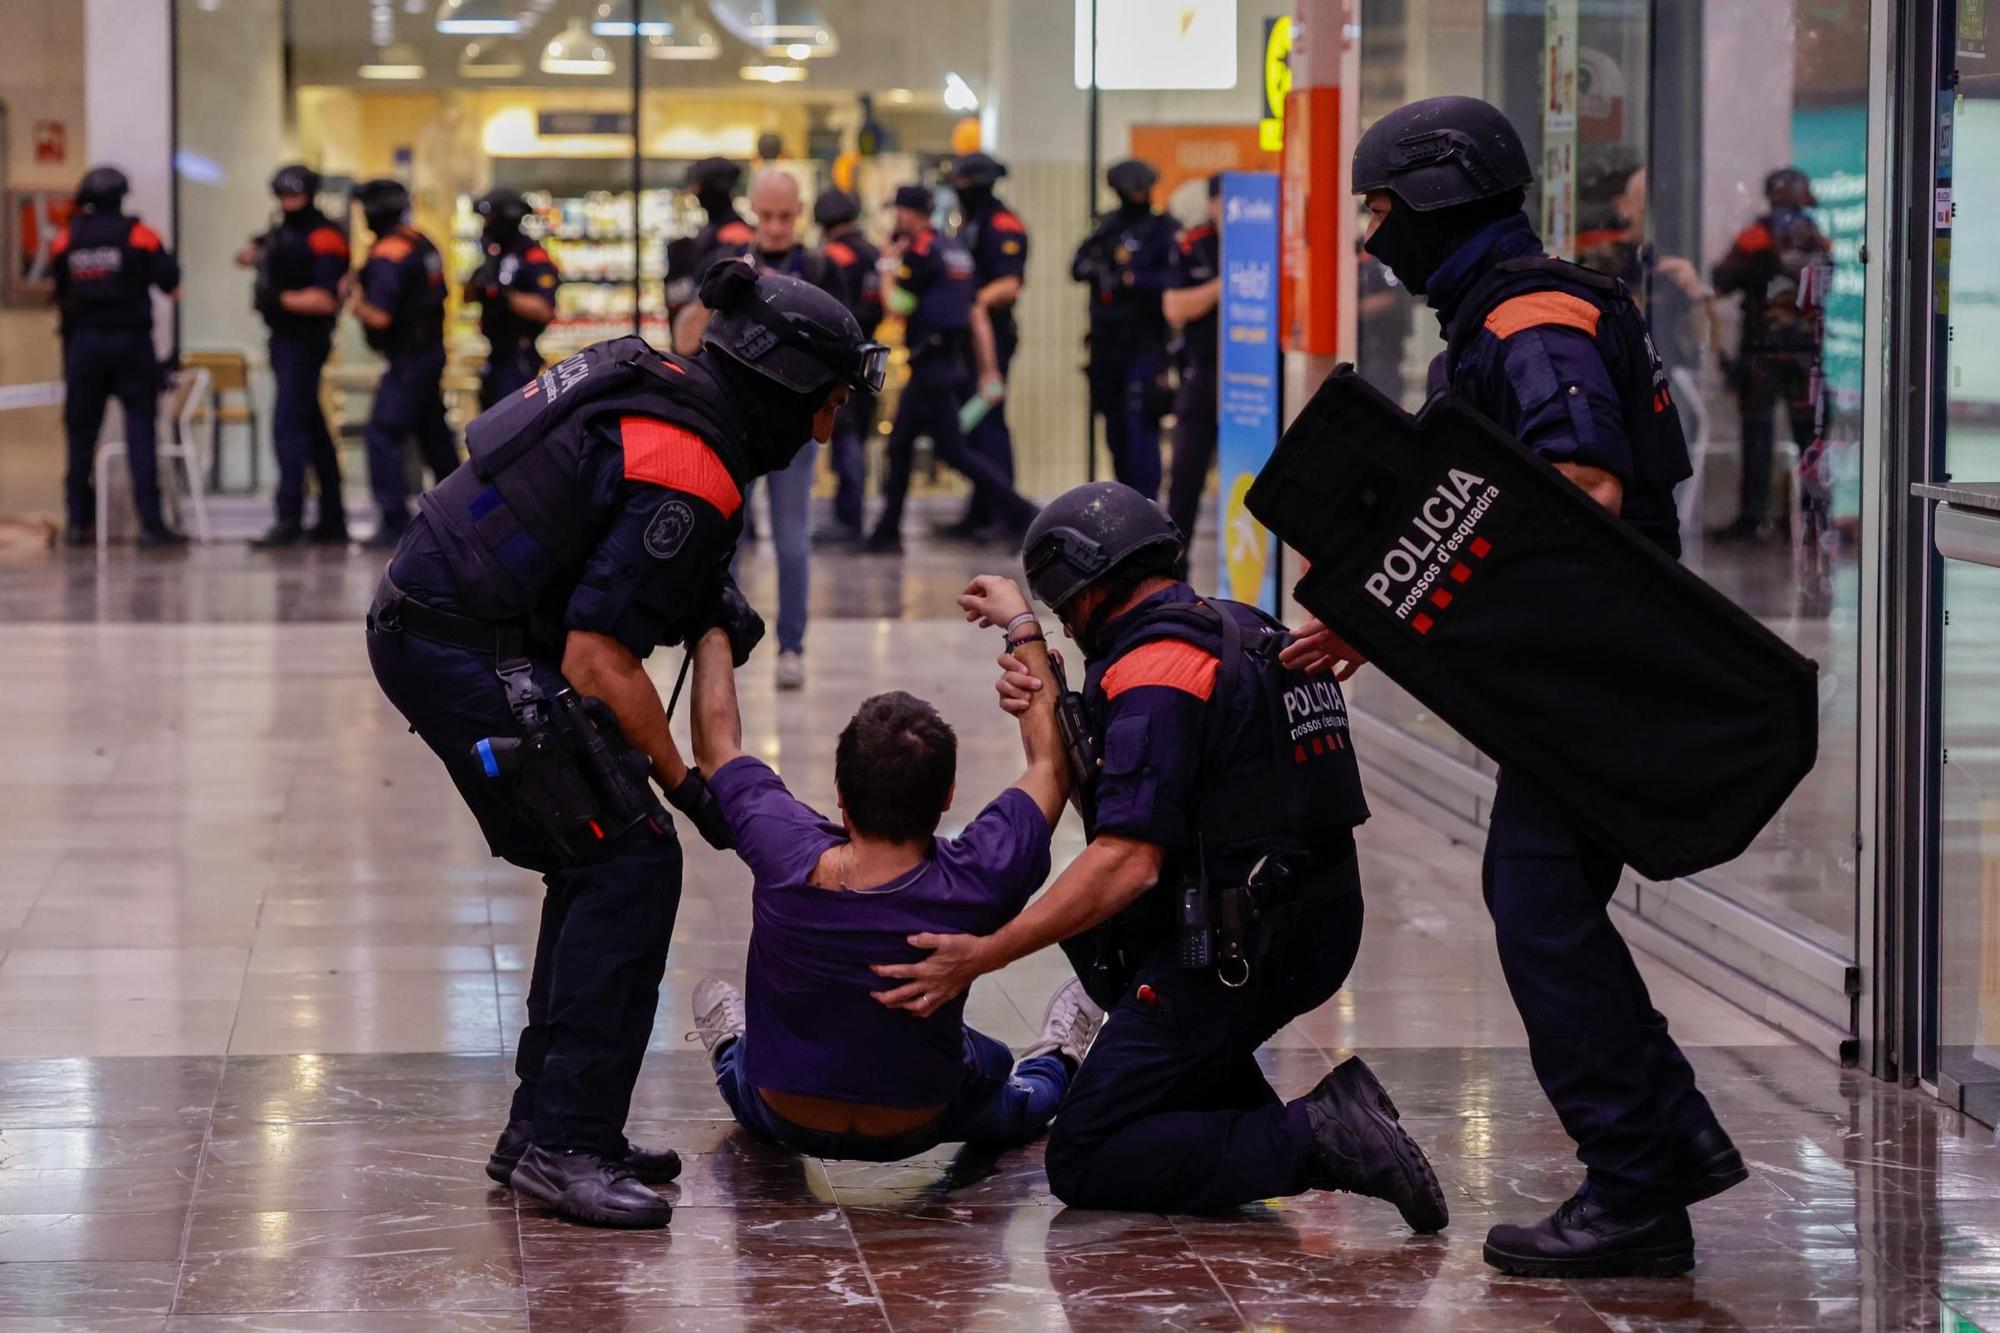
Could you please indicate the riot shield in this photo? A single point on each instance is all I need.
(1669, 723)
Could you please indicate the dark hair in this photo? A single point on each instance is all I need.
(894, 767)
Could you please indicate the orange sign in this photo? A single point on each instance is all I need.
(1314, 192)
(1181, 153)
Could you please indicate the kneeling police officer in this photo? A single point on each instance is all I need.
(1560, 357)
(594, 520)
(1218, 898)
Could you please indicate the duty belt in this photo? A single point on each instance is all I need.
(396, 612)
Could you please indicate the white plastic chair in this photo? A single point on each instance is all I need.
(180, 407)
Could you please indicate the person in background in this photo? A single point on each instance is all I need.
(712, 181)
(996, 238)
(515, 287)
(1190, 307)
(855, 260)
(400, 303)
(107, 266)
(301, 265)
(1128, 262)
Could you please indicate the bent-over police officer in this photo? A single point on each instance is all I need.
(1561, 357)
(515, 287)
(107, 265)
(594, 521)
(400, 303)
(1128, 262)
(1218, 897)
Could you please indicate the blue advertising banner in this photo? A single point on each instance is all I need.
(1248, 407)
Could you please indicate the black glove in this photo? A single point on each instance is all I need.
(738, 619)
(697, 804)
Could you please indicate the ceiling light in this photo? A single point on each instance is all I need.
(478, 18)
(398, 60)
(492, 60)
(799, 51)
(689, 36)
(574, 51)
(773, 73)
(899, 96)
(774, 26)
(614, 19)
(958, 95)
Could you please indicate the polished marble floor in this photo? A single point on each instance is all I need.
(258, 980)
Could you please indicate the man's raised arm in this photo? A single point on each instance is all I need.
(995, 601)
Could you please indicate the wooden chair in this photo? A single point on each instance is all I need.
(231, 403)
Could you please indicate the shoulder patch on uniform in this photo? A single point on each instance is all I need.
(1006, 221)
(1539, 310)
(840, 253)
(327, 241)
(677, 458)
(1754, 239)
(391, 248)
(144, 237)
(1173, 663)
(61, 242)
(735, 233)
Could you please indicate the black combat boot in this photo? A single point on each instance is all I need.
(1583, 1238)
(1360, 1146)
(653, 1166)
(285, 532)
(586, 1188)
(1708, 1164)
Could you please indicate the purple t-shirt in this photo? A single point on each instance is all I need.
(815, 1029)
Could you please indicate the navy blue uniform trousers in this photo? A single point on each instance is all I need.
(409, 401)
(1618, 1082)
(507, 369)
(937, 388)
(990, 439)
(299, 435)
(97, 367)
(1195, 431)
(853, 427)
(1122, 386)
(606, 919)
(1170, 1112)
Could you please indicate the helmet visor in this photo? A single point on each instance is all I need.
(872, 367)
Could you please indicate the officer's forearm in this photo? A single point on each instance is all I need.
(600, 667)
(1106, 878)
(985, 352)
(535, 309)
(1000, 293)
(1184, 305)
(309, 301)
(374, 317)
(1601, 486)
(718, 721)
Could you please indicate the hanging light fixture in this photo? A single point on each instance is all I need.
(491, 60)
(958, 94)
(398, 60)
(478, 18)
(776, 27)
(575, 51)
(772, 73)
(689, 36)
(614, 19)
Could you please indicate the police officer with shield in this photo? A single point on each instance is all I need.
(594, 521)
(106, 268)
(1217, 900)
(1560, 357)
(515, 288)
(400, 303)
(1128, 262)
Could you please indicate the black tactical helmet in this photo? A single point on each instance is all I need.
(918, 197)
(978, 170)
(102, 187)
(383, 202)
(714, 173)
(835, 208)
(504, 211)
(1440, 152)
(297, 178)
(788, 331)
(1092, 531)
(1131, 177)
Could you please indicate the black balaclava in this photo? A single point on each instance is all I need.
(780, 421)
(973, 198)
(1414, 245)
(717, 202)
(382, 221)
(1135, 204)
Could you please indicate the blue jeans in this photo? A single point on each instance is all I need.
(790, 490)
(999, 1105)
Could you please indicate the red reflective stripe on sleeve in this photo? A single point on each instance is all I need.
(734, 233)
(144, 237)
(1173, 663)
(840, 253)
(391, 247)
(1754, 239)
(536, 255)
(667, 455)
(61, 243)
(922, 245)
(1005, 221)
(327, 241)
(1541, 310)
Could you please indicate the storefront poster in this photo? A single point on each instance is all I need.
(1249, 406)
(1830, 144)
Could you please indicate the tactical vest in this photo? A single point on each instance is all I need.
(417, 322)
(1652, 422)
(519, 514)
(285, 264)
(106, 276)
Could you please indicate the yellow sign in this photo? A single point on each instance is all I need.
(1249, 544)
(1277, 83)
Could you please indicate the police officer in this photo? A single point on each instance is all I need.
(854, 259)
(301, 264)
(1559, 356)
(927, 278)
(996, 238)
(1128, 262)
(713, 182)
(1190, 306)
(515, 287)
(1218, 897)
(595, 520)
(106, 267)
(400, 303)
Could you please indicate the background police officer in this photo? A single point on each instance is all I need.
(1128, 262)
(595, 520)
(515, 286)
(400, 303)
(854, 259)
(1560, 357)
(996, 238)
(713, 182)
(1218, 773)
(1190, 306)
(927, 278)
(301, 264)
(106, 267)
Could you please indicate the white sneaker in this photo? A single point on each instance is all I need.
(718, 1013)
(1068, 1025)
(791, 671)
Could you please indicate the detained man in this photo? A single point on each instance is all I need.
(810, 1060)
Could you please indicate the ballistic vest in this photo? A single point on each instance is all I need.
(107, 269)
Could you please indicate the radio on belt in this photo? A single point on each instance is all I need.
(1665, 719)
